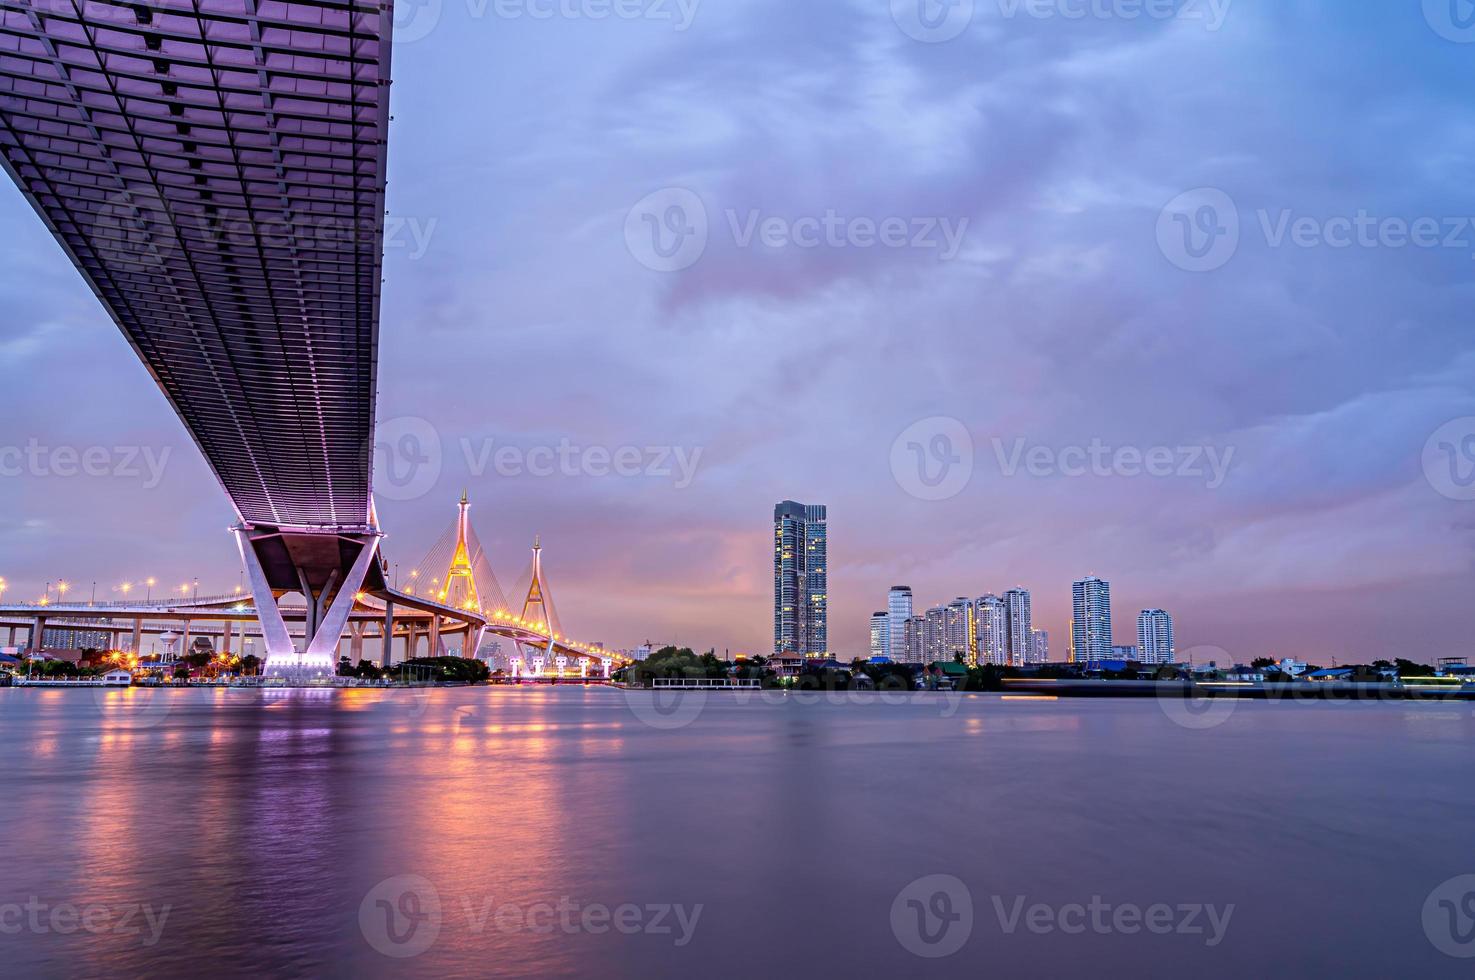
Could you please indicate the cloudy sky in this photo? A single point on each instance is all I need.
(652, 272)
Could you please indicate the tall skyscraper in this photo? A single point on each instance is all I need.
(1039, 647)
(914, 634)
(1155, 637)
(899, 610)
(800, 580)
(934, 635)
(880, 635)
(1020, 626)
(993, 631)
(1090, 624)
(961, 630)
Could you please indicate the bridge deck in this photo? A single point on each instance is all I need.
(215, 169)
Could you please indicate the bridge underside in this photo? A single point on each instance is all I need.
(215, 169)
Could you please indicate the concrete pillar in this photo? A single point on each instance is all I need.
(12, 637)
(229, 638)
(138, 637)
(38, 627)
(184, 641)
(388, 635)
(434, 637)
(356, 641)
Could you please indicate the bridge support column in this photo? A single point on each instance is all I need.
(388, 635)
(38, 628)
(356, 642)
(228, 638)
(272, 558)
(184, 642)
(12, 637)
(138, 637)
(434, 636)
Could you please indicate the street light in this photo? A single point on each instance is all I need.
(148, 597)
(62, 588)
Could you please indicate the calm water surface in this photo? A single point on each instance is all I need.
(577, 832)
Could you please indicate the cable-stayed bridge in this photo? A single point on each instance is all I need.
(215, 169)
(452, 600)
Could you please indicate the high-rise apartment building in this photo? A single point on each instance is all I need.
(1039, 647)
(914, 633)
(1090, 625)
(899, 610)
(1020, 626)
(1155, 637)
(934, 635)
(800, 580)
(993, 630)
(880, 635)
(961, 632)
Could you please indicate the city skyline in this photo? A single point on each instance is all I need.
(1000, 630)
(1325, 517)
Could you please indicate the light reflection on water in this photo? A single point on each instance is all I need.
(264, 820)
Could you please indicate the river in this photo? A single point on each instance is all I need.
(594, 832)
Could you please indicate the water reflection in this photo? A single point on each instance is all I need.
(267, 822)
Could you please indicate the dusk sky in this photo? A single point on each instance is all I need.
(1054, 179)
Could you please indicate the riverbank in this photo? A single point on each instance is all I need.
(1434, 690)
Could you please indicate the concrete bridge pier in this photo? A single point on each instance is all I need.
(388, 635)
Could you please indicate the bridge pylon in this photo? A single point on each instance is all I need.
(538, 613)
(455, 572)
